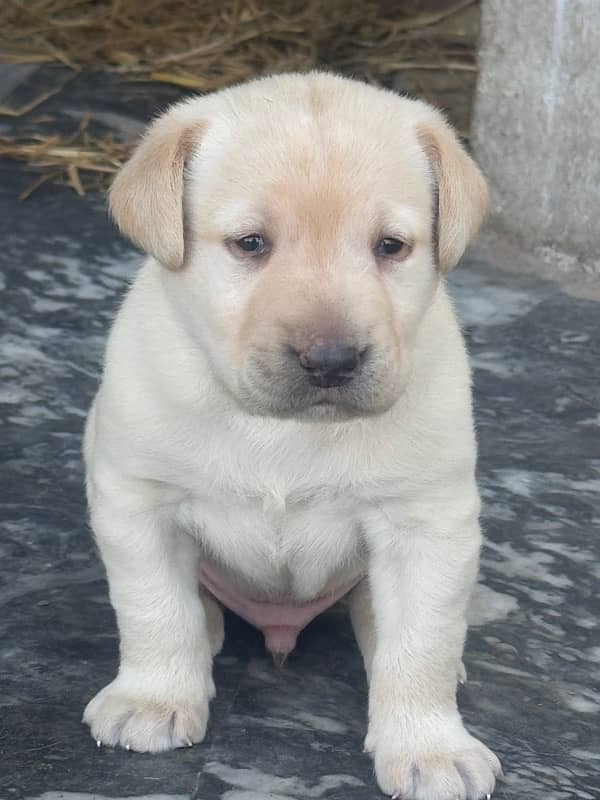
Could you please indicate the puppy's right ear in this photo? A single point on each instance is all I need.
(146, 197)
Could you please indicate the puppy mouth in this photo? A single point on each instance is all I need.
(309, 401)
(327, 381)
(267, 390)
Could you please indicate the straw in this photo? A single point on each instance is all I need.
(204, 45)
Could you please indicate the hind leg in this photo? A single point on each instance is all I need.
(361, 616)
(214, 621)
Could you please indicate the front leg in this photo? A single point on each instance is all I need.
(423, 565)
(159, 699)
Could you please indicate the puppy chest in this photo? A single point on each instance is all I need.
(280, 549)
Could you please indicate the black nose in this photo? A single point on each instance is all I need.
(330, 364)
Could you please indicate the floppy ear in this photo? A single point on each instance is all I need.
(146, 197)
(462, 195)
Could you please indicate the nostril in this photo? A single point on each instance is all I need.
(330, 358)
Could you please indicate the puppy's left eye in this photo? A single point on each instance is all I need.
(390, 247)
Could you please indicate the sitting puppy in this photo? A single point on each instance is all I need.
(285, 413)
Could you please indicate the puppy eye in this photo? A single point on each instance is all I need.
(388, 247)
(253, 244)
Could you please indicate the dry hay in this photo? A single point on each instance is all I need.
(203, 45)
(81, 161)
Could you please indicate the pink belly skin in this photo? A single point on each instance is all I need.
(280, 623)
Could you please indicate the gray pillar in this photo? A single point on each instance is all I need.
(536, 127)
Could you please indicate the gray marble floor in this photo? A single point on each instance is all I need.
(533, 652)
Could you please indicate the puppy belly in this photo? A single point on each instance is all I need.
(280, 622)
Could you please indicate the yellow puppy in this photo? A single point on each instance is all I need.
(285, 413)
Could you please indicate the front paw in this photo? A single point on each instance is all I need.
(145, 720)
(435, 760)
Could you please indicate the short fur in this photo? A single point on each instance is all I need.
(206, 443)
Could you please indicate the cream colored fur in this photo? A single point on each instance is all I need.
(199, 446)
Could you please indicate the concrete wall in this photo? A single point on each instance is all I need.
(536, 130)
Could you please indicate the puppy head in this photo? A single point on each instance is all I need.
(305, 221)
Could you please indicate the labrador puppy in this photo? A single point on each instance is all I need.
(285, 415)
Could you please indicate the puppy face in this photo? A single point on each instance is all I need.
(304, 239)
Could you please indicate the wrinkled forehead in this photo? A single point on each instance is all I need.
(292, 170)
